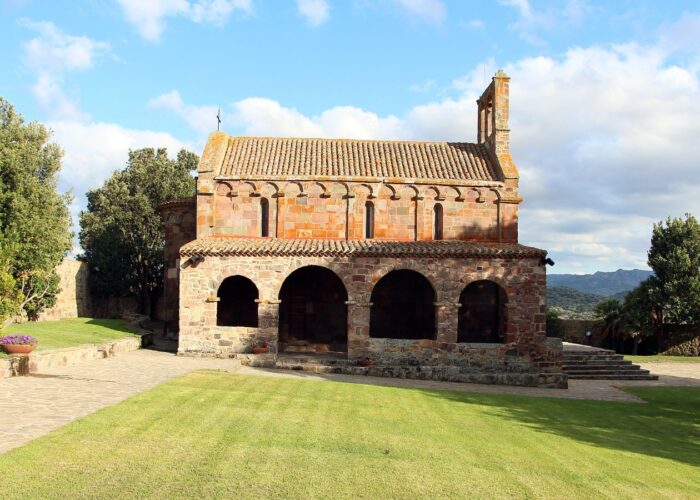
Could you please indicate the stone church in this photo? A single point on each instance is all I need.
(389, 258)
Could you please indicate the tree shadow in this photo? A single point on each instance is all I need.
(666, 426)
(113, 324)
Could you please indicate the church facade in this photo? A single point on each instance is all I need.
(379, 257)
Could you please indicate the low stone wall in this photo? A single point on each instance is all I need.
(467, 363)
(41, 361)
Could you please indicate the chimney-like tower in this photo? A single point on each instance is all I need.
(493, 114)
(493, 128)
(494, 133)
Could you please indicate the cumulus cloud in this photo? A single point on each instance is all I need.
(93, 151)
(316, 12)
(149, 17)
(50, 56)
(200, 118)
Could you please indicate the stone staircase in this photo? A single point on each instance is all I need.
(590, 363)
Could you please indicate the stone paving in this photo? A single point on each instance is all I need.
(35, 405)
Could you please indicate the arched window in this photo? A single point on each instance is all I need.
(264, 218)
(369, 220)
(237, 304)
(403, 307)
(437, 222)
(482, 315)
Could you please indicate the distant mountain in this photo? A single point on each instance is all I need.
(600, 283)
(570, 300)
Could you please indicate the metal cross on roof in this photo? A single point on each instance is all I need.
(218, 118)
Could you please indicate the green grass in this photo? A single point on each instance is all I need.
(657, 358)
(72, 332)
(210, 434)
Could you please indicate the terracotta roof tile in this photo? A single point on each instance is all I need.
(255, 157)
(177, 202)
(246, 247)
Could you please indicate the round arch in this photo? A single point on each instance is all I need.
(482, 313)
(403, 306)
(237, 305)
(313, 311)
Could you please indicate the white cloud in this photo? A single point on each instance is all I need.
(50, 56)
(149, 16)
(201, 119)
(93, 151)
(316, 12)
(428, 11)
(531, 20)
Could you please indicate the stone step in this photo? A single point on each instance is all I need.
(617, 376)
(593, 358)
(601, 369)
(606, 372)
(621, 368)
(600, 364)
(582, 354)
(607, 362)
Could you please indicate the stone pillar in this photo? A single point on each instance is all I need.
(350, 217)
(279, 215)
(358, 328)
(269, 320)
(446, 319)
(419, 217)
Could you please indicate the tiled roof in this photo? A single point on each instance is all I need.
(267, 157)
(246, 247)
(176, 203)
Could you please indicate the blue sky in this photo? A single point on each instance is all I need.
(605, 95)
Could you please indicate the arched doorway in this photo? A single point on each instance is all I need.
(313, 313)
(237, 304)
(403, 307)
(482, 315)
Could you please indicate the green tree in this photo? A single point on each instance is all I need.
(610, 316)
(555, 325)
(34, 218)
(674, 257)
(121, 231)
(640, 313)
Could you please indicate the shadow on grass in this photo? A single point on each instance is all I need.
(113, 324)
(666, 427)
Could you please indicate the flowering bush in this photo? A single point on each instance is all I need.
(18, 340)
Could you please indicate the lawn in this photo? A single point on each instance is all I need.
(211, 434)
(72, 332)
(657, 358)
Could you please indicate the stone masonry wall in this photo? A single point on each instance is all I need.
(73, 301)
(524, 358)
(334, 210)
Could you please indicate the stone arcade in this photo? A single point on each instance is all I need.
(403, 256)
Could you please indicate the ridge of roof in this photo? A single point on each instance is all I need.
(344, 139)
